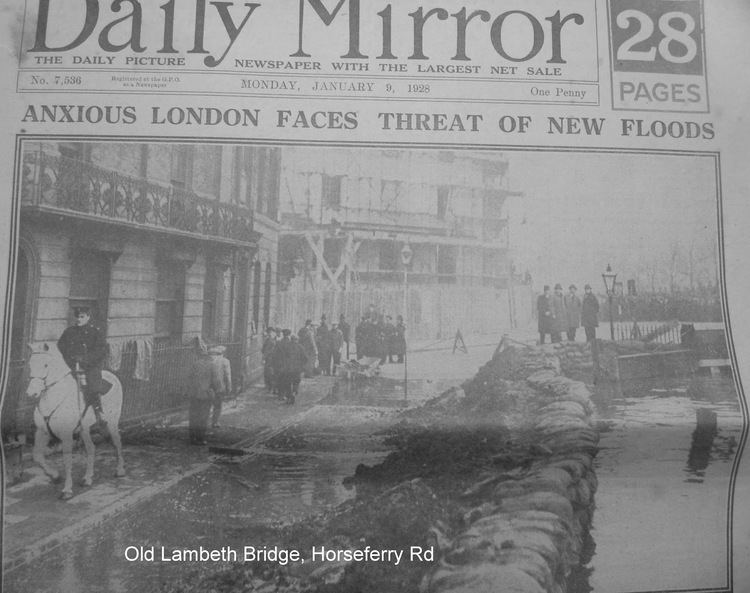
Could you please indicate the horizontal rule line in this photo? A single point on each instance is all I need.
(300, 96)
(291, 73)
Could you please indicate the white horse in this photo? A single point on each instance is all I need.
(61, 411)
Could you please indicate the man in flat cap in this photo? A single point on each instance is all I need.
(84, 349)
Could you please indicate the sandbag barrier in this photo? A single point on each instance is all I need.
(527, 528)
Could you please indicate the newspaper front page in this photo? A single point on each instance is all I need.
(358, 295)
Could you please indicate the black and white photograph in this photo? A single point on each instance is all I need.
(321, 367)
(365, 296)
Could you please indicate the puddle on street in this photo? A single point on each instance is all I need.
(238, 502)
(664, 471)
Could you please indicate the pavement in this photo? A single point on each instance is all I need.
(158, 457)
(36, 520)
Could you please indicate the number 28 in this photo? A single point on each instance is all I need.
(646, 28)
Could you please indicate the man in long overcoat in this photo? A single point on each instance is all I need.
(307, 342)
(289, 360)
(544, 313)
(221, 380)
(572, 312)
(201, 395)
(336, 340)
(266, 351)
(589, 313)
(559, 320)
(323, 343)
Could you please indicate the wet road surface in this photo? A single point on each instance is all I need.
(664, 487)
(234, 504)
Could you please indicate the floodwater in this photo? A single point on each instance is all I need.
(238, 502)
(662, 507)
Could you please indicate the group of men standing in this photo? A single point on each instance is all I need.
(558, 313)
(287, 357)
(379, 337)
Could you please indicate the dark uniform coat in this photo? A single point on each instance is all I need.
(590, 311)
(572, 310)
(559, 318)
(85, 345)
(544, 311)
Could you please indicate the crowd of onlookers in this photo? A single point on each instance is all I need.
(558, 313)
(317, 349)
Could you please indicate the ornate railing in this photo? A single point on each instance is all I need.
(85, 189)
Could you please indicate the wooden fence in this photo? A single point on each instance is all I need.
(433, 312)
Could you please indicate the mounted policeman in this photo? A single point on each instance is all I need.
(84, 350)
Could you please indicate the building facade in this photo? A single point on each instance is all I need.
(165, 242)
(348, 214)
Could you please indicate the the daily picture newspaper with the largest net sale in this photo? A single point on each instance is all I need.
(547, 197)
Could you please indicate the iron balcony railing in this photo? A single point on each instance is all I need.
(78, 188)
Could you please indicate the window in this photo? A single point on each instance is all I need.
(389, 255)
(446, 264)
(182, 166)
(214, 170)
(389, 194)
(237, 175)
(170, 282)
(210, 303)
(331, 191)
(443, 192)
(262, 168)
(80, 151)
(89, 284)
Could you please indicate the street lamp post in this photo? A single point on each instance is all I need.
(406, 254)
(609, 278)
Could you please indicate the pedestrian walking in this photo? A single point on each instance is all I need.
(589, 313)
(307, 342)
(323, 343)
(544, 314)
(297, 379)
(572, 312)
(336, 342)
(201, 395)
(221, 380)
(289, 359)
(269, 343)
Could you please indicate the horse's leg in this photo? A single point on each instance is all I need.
(67, 452)
(88, 443)
(114, 434)
(40, 445)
